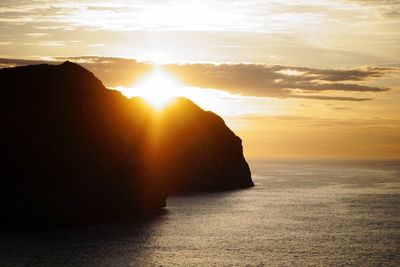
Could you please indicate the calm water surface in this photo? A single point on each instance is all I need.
(299, 213)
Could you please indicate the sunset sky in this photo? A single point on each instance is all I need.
(294, 79)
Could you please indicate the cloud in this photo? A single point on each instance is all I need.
(112, 71)
(378, 2)
(278, 32)
(341, 108)
(281, 81)
(388, 8)
(394, 14)
(335, 98)
(7, 62)
(130, 15)
(246, 79)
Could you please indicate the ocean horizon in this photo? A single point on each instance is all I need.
(298, 213)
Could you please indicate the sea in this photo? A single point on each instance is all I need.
(299, 213)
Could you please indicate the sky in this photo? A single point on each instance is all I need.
(294, 79)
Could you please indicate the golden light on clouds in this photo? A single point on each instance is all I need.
(158, 88)
(308, 78)
(307, 33)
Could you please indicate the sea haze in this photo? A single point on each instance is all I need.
(299, 212)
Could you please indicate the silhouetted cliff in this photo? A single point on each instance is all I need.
(199, 152)
(76, 152)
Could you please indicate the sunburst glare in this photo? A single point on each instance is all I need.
(157, 88)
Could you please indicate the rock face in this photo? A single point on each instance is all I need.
(75, 152)
(199, 152)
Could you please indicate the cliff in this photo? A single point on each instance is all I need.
(199, 152)
(75, 152)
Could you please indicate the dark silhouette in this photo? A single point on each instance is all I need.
(199, 152)
(73, 151)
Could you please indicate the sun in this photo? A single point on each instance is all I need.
(157, 88)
